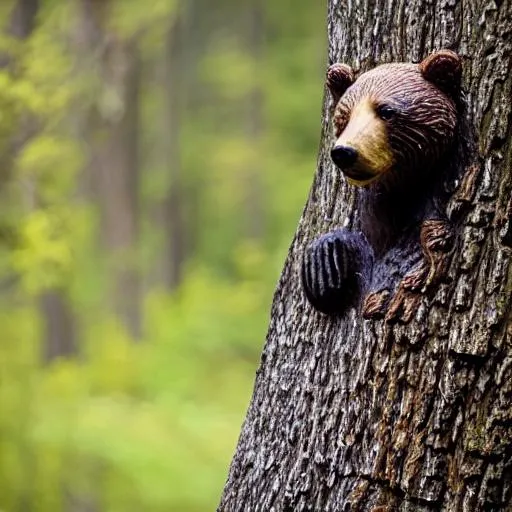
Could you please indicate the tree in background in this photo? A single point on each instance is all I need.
(154, 157)
(412, 411)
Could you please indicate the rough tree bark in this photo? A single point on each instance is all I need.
(414, 414)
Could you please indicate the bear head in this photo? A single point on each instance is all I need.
(395, 119)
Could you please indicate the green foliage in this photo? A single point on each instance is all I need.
(149, 424)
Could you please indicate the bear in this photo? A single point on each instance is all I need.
(396, 128)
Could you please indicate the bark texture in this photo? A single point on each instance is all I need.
(411, 412)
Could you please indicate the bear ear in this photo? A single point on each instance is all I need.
(444, 70)
(339, 78)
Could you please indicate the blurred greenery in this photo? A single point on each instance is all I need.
(154, 160)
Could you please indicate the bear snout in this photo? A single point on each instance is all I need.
(347, 159)
(343, 156)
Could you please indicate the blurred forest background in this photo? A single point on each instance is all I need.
(155, 157)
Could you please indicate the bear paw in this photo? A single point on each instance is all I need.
(375, 304)
(335, 270)
(436, 238)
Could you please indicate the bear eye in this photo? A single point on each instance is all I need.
(385, 112)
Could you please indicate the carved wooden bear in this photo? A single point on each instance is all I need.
(395, 129)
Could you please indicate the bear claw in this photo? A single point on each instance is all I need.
(375, 304)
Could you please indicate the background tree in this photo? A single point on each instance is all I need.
(154, 158)
(412, 413)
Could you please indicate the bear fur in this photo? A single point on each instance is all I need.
(396, 132)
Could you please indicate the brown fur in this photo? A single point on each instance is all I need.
(400, 139)
(368, 134)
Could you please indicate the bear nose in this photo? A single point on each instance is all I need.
(343, 156)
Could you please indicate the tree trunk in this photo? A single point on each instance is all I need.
(172, 210)
(23, 18)
(59, 325)
(59, 337)
(117, 177)
(110, 128)
(409, 413)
